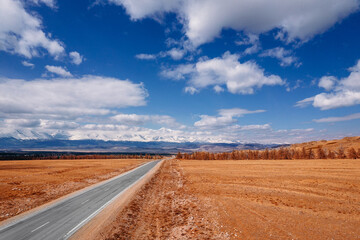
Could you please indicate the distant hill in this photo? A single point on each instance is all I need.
(11, 144)
(333, 145)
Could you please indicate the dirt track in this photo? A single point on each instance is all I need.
(163, 209)
(28, 184)
(307, 199)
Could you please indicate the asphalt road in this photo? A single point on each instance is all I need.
(62, 219)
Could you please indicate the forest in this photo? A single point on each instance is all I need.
(272, 154)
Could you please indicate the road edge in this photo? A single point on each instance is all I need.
(93, 228)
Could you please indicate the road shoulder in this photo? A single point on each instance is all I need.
(94, 228)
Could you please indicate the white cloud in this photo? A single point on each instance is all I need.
(238, 112)
(204, 20)
(345, 92)
(294, 86)
(68, 97)
(125, 127)
(58, 124)
(250, 39)
(174, 53)
(239, 78)
(327, 82)
(141, 8)
(191, 90)
(225, 118)
(214, 122)
(30, 128)
(144, 56)
(49, 3)
(253, 49)
(218, 89)
(338, 119)
(305, 102)
(285, 57)
(28, 64)
(27, 129)
(342, 98)
(135, 119)
(255, 127)
(21, 33)
(76, 58)
(23, 122)
(58, 70)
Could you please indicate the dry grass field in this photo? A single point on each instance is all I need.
(272, 199)
(333, 145)
(303, 199)
(27, 184)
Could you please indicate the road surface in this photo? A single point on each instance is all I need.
(62, 219)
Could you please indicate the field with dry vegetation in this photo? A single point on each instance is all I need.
(333, 145)
(28, 184)
(264, 199)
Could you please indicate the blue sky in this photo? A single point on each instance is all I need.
(180, 70)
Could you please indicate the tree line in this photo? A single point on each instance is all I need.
(53, 156)
(117, 156)
(272, 154)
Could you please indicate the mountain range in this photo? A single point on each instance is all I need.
(10, 144)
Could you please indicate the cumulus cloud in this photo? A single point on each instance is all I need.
(58, 70)
(21, 33)
(285, 57)
(204, 20)
(239, 78)
(225, 118)
(76, 58)
(327, 82)
(342, 98)
(28, 64)
(68, 97)
(344, 92)
(338, 119)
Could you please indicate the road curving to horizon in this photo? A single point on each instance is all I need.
(62, 219)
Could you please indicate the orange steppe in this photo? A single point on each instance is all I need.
(226, 199)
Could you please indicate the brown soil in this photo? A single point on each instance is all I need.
(295, 199)
(333, 145)
(163, 209)
(28, 184)
(272, 199)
